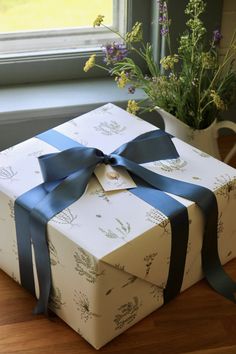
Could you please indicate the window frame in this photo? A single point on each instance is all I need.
(67, 64)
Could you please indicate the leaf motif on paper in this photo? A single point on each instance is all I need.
(73, 122)
(225, 186)
(100, 193)
(156, 292)
(7, 173)
(54, 259)
(171, 165)
(201, 153)
(127, 313)
(6, 151)
(108, 292)
(83, 306)
(86, 265)
(110, 128)
(158, 218)
(220, 225)
(120, 232)
(104, 110)
(15, 249)
(36, 153)
(65, 217)
(56, 301)
(11, 207)
(149, 259)
(130, 281)
(189, 247)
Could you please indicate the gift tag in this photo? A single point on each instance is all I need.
(113, 178)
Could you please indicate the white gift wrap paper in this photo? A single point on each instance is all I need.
(110, 251)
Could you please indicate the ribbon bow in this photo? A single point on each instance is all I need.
(66, 175)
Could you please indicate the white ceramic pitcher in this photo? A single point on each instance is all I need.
(203, 139)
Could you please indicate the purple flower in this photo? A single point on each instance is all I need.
(131, 89)
(114, 52)
(217, 36)
(162, 6)
(164, 31)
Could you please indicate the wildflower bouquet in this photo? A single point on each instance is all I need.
(191, 84)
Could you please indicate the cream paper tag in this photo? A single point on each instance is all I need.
(113, 178)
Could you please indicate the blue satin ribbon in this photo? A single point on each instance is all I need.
(66, 175)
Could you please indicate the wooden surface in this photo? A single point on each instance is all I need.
(199, 321)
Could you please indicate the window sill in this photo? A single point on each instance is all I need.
(60, 99)
(28, 109)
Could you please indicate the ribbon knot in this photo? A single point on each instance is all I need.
(108, 159)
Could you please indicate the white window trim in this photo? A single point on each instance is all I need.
(67, 64)
(56, 41)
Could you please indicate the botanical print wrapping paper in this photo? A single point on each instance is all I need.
(110, 251)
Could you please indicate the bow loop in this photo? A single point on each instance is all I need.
(58, 166)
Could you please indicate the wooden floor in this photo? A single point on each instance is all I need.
(199, 321)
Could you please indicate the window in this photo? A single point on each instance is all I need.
(50, 26)
(63, 52)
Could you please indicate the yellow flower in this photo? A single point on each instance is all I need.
(122, 80)
(208, 61)
(219, 103)
(132, 107)
(98, 21)
(169, 61)
(136, 34)
(90, 63)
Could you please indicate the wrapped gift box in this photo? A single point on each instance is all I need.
(110, 251)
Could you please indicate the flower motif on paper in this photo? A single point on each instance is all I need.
(119, 266)
(149, 259)
(156, 217)
(127, 313)
(120, 232)
(171, 165)
(65, 217)
(7, 173)
(86, 265)
(83, 306)
(110, 128)
(156, 292)
(225, 186)
(56, 301)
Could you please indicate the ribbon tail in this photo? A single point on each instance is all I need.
(178, 216)
(217, 278)
(66, 193)
(206, 200)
